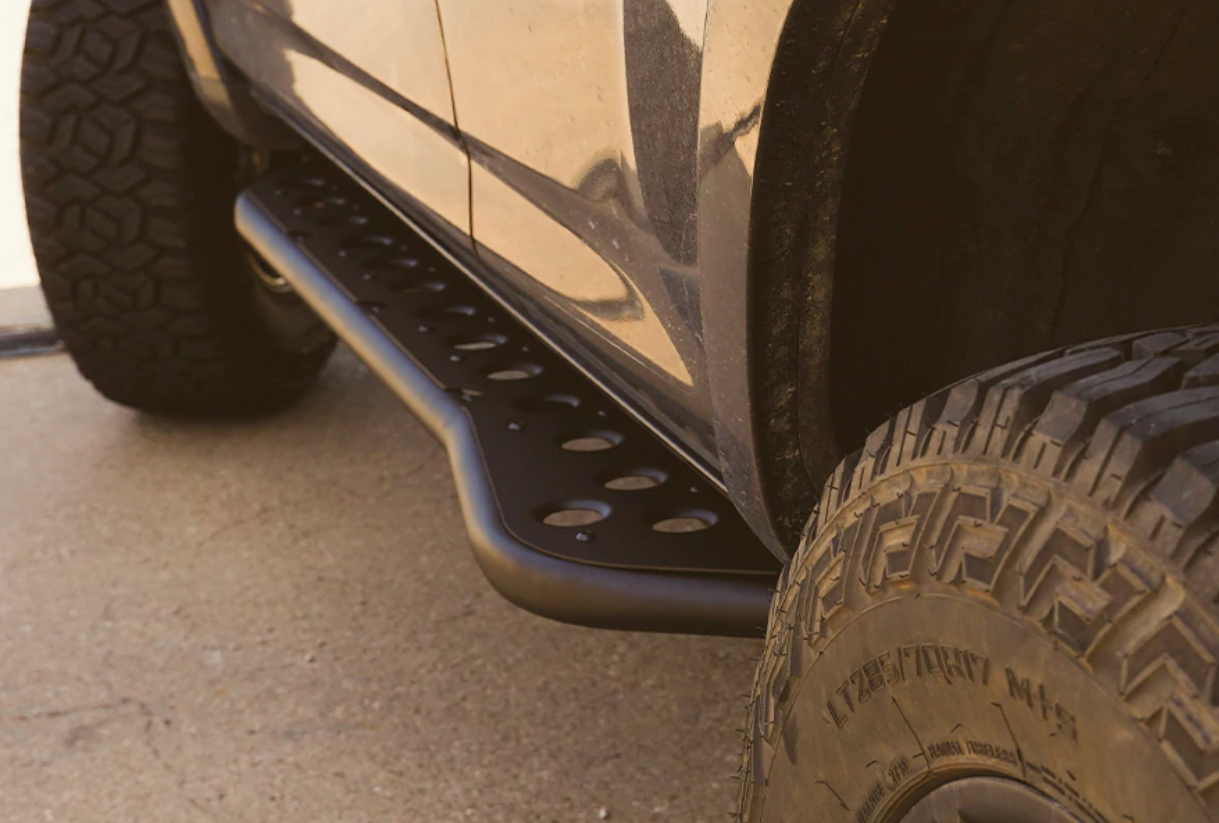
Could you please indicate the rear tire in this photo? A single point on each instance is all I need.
(1014, 581)
(129, 189)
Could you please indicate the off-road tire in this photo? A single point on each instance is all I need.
(1016, 577)
(129, 190)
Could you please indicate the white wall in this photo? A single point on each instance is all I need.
(16, 261)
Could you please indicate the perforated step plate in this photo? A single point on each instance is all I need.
(573, 476)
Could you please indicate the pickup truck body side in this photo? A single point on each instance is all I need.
(600, 180)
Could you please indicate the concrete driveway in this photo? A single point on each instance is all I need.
(280, 620)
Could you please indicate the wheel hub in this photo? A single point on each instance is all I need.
(987, 800)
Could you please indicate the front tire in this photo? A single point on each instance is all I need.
(129, 190)
(1014, 581)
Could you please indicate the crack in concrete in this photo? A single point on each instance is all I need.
(178, 777)
(144, 710)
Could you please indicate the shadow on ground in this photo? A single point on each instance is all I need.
(279, 619)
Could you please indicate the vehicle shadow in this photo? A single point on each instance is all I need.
(283, 613)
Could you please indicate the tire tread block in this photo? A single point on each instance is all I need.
(131, 222)
(1118, 560)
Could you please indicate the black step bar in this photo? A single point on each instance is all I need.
(518, 423)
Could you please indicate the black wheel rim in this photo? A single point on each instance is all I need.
(986, 800)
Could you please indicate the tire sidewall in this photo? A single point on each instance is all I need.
(918, 691)
(884, 679)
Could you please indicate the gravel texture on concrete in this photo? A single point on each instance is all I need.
(279, 619)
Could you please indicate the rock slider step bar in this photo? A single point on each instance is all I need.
(575, 511)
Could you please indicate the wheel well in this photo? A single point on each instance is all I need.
(1021, 175)
(962, 182)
